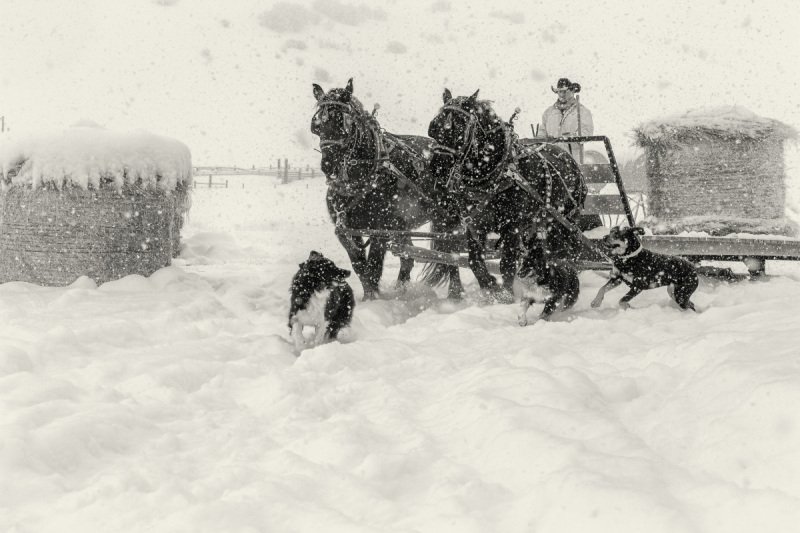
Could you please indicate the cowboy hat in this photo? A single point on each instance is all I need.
(564, 83)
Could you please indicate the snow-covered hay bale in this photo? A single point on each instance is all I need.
(717, 170)
(88, 201)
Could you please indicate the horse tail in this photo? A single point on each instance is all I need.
(436, 274)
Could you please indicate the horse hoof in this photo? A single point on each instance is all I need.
(402, 287)
(368, 296)
(455, 296)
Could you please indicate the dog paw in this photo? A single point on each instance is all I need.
(596, 303)
(522, 320)
(624, 305)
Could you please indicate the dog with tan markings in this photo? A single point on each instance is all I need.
(641, 269)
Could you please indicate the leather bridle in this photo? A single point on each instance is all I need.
(455, 176)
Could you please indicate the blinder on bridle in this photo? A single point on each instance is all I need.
(324, 115)
(469, 128)
(347, 135)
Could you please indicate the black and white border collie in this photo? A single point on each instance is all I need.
(552, 281)
(642, 269)
(321, 298)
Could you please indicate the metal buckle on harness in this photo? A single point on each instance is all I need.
(466, 224)
(340, 216)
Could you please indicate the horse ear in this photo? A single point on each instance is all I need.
(447, 95)
(474, 96)
(348, 90)
(319, 94)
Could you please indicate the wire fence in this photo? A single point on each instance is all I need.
(216, 176)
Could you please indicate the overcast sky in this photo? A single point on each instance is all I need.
(232, 79)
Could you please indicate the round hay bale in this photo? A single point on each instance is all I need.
(720, 171)
(91, 204)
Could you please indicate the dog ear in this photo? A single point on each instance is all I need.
(319, 94)
(638, 230)
(314, 256)
(474, 97)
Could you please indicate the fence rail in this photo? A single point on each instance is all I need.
(285, 172)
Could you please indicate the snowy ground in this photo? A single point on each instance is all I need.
(174, 403)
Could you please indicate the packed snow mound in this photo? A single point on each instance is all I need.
(87, 155)
(724, 121)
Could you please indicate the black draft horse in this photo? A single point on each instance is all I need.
(503, 185)
(376, 181)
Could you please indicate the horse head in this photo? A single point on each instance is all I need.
(341, 124)
(454, 126)
(472, 140)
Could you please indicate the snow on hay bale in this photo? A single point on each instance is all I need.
(88, 201)
(716, 170)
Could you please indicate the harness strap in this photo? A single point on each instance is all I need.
(400, 176)
(477, 210)
(588, 243)
(381, 161)
(548, 166)
(456, 172)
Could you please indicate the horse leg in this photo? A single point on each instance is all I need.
(406, 265)
(477, 263)
(374, 270)
(435, 273)
(455, 290)
(354, 246)
(508, 259)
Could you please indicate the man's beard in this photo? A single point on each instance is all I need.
(561, 105)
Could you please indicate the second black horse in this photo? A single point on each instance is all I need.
(503, 185)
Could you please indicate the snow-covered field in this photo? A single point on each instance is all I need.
(174, 403)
